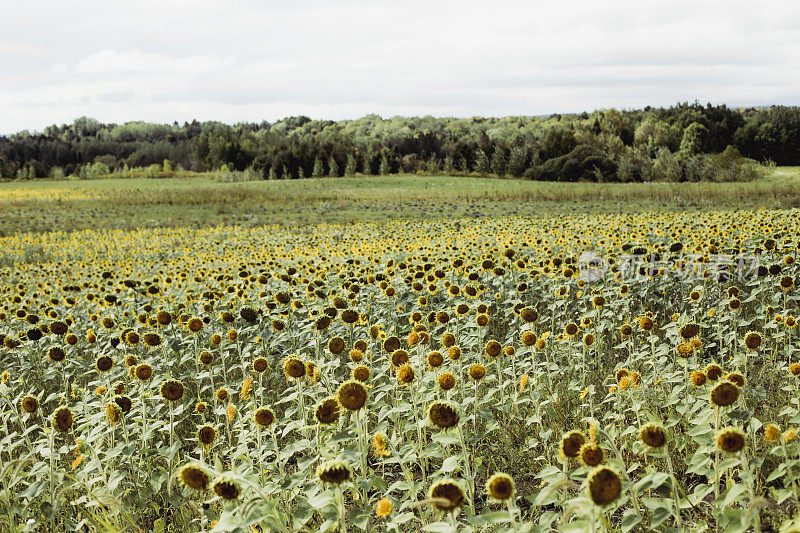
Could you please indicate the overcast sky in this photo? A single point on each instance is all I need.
(254, 60)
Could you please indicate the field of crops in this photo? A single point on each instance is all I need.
(586, 372)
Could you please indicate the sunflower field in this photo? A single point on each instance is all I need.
(600, 372)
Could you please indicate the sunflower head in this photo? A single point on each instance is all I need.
(327, 411)
(591, 454)
(446, 380)
(571, 443)
(752, 339)
(206, 435)
(361, 373)
(604, 485)
(29, 404)
(194, 476)
(730, 440)
(446, 495)
(724, 394)
(260, 364)
(172, 390)
(352, 395)
(334, 472)
(62, 419)
(264, 417)
(772, 432)
(713, 372)
(653, 435)
(477, 371)
(500, 487)
(443, 415)
(405, 374)
(399, 358)
(226, 488)
(294, 367)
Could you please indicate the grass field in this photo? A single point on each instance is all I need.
(200, 201)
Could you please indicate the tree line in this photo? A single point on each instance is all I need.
(685, 142)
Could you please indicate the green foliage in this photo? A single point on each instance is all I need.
(510, 145)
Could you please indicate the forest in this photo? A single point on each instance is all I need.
(685, 142)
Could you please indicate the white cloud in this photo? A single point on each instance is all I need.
(252, 60)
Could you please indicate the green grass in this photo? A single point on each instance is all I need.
(200, 200)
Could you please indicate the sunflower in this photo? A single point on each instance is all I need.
(528, 338)
(713, 372)
(334, 472)
(336, 345)
(736, 378)
(194, 476)
(327, 411)
(653, 435)
(482, 320)
(383, 508)
(361, 373)
(143, 372)
(435, 359)
(689, 330)
(604, 485)
(590, 454)
(446, 381)
(56, 354)
(571, 443)
(352, 395)
(500, 487)
(446, 495)
(62, 419)
(222, 394)
(379, 443)
(293, 367)
(698, 378)
(264, 417)
(730, 440)
(405, 374)
(724, 394)
(206, 435)
(795, 369)
(399, 358)
(752, 340)
(195, 324)
(260, 364)
(29, 404)
(172, 390)
(443, 415)
(448, 340)
(477, 371)
(226, 488)
(626, 330)
(528, 315)
(391, 344)
(124, 403)
(772, 432)
(570, 329)
(113, 414)
(454, 353)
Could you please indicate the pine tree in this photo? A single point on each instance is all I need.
(319, 169)
(271, 175)
(384, 170)
(482, 165)
(499, 162)
(350, 168)
(333, 168)
(517, 161)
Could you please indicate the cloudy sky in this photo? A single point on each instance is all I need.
(249, 60)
